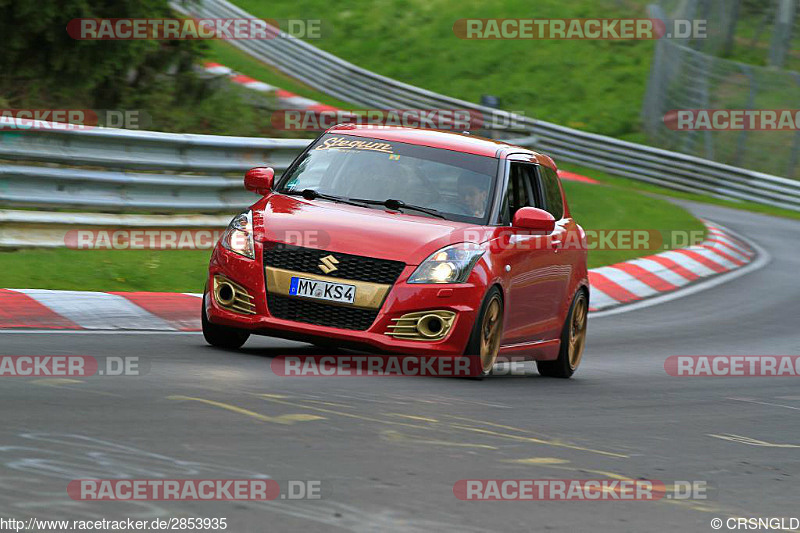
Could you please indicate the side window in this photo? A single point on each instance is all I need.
(554, 203)
(522, 191)
(516, 195)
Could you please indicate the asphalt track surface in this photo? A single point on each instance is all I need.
(388, 450)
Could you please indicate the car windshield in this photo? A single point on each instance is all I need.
(456, 185)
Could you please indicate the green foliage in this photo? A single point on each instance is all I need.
(41, 63)
(43, 67)
(590, 85)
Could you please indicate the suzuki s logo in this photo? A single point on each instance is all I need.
(328, 264)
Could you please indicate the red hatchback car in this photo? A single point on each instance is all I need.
(407, 241)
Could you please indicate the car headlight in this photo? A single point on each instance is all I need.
(238, 238)
(451, 264)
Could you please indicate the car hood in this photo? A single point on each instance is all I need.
(356, 230)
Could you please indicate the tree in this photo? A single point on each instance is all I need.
(40, 62)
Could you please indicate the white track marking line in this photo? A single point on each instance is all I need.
(763, 260)
(750, 400)
(97, 310)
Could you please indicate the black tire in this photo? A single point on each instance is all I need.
(474, 344)
(568, 361)
(222, 336)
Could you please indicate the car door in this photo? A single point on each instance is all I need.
(531, 261)
(564, 240)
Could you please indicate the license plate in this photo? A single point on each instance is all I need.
(323, 290)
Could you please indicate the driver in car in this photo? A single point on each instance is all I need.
(473, 191)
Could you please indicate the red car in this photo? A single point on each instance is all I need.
(407, 241)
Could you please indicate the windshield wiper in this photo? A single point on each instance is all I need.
(395, 205)
(311, 194)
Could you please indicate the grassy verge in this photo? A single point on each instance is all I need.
(641, 186)
(105, 270)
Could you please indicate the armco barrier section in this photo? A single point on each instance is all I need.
(121, 170)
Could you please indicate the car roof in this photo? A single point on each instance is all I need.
(447, 140)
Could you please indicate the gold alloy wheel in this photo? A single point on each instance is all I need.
(577, 332)
(491, 333)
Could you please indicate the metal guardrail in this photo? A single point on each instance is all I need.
(348, 82)
(121, 170)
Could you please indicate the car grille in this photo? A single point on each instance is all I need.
(354, 267)
(320, 314)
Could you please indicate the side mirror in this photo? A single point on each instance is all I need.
(534, 219)
(259, 180)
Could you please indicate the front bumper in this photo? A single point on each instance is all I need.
(403, 298)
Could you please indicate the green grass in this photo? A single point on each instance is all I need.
(592, 85)
(602, 207)
(644, 187)
(105, 270)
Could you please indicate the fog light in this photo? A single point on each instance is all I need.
(422, 325)
(430, 326)
(226, 294)
(233, 297)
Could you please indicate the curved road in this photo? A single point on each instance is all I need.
(388, 450)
